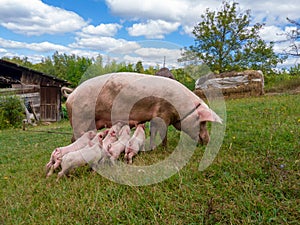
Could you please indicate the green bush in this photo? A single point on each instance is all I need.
(281, 82)
(11, 111)
(64, 112)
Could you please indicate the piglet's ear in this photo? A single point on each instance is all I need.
(206, 114)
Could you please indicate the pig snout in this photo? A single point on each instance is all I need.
(102, 134)
(55, 160)
(204, 138)
(129, 154)
(203, 134)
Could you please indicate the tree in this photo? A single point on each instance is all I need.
(183, 77)
(150, 70)
(225, 41)
(20, 61)
(295, 70)
(293, 36)
(67, 67)
(98, 68)
(126, 68)
(139, 67)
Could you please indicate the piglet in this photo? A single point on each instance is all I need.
(98, 139)
(88, 155)
(58, 153)
(112, 135)
(102, 134)
(116, 148)
(136, 143)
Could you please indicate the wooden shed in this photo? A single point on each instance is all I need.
(41, 91)
(165, 72)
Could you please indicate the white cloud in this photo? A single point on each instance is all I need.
(188, 12)
(83, 53)
(154, 9)
(39, 47)
(34, 58)
(290, 62)
(154, 56)
(2, 50)
(159, 53)
(153, 29)
(107, 30)
(125, 47)
(100, 43)
(176, 12)
(272, 12)
(33, 17)
(272, 33)
(12, 48)
(278, 36)
(151, 56)
(132, 59)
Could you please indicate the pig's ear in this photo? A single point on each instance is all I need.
(206, 114)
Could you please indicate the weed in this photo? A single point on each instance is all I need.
(253, 180)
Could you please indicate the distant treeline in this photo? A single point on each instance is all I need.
(77, 69)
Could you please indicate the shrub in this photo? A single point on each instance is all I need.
(281, 82)
(64, 112)
(11, 111)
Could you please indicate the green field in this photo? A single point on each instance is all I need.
(253, 180)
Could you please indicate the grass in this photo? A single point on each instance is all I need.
(282, 84)
(253, 180)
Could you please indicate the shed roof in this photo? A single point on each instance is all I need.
(165, 72)
(16, 67)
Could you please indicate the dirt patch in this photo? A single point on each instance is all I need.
(295, 91)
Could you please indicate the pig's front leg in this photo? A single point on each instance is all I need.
(129, 157)
(55, 160)
(50, 171)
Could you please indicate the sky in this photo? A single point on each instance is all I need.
(125, 30)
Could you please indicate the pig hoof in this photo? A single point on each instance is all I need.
(153, 147)
(47, 169)
(50, 171)
(60, 175)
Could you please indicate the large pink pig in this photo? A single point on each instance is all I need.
(136, 98)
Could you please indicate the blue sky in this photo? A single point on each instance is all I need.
(128, 30)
